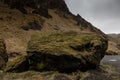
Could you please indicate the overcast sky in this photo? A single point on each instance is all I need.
(104, 14)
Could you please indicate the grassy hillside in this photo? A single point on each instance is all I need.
(114, 44)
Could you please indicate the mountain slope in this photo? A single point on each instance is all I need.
(59, 34)
(114, 44)
(42, 35)
(19, 19)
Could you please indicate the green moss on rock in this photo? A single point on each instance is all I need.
(68, 43)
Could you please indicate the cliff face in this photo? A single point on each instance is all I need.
(58, 4)
(61, 34)
(44, 7)
(38, 5)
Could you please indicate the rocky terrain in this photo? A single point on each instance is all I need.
(43, 40)
(114, 44)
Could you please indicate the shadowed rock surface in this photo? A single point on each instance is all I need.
(40, 6)
(3, 54)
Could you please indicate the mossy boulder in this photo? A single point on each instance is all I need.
(3, 54)
(64, 51)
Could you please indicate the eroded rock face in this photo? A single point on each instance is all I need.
(3, 54)
(40, 6)
(64, 52)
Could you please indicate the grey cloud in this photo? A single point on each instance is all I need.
(104, 14)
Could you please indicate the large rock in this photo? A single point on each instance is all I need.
(3, 54)
(64, 52)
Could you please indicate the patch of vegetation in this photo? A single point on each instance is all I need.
(67, 42)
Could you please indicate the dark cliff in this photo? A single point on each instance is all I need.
(38, 5)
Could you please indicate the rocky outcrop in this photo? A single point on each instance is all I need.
(64, 52)
(58, 4)
(39, 6)
(3, 54)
